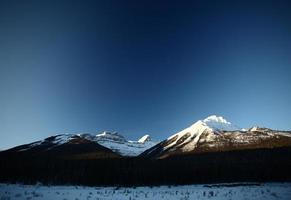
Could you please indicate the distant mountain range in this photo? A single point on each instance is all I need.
(106, 141)
(213, 134)
(210, 150)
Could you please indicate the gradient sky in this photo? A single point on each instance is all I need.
(140, 67)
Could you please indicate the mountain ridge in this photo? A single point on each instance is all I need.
(215, 133)
(200, 153)
(113, 141)
(211, 134)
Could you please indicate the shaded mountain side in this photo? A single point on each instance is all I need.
(113, 141)
(75, 148)
(260, 140)
(231, 166)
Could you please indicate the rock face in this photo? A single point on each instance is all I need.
(215, 134)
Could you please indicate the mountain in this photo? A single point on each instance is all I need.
(211, 150)
(120, 145)
(216, 134)
(144, 139)
(63, 146)
(212, 134)
(106, 143)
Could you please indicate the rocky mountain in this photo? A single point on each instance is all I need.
(216, 134)
(213, 134)
(210, 150)
(106, 142)
(62, 147)
(120, 145)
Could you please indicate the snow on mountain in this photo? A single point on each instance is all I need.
(219, 123)
(189, 137)
(215, 133)
(113, 141)
(143, 139)
(124, 147)
(105, 136)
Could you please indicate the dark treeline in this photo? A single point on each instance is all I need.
(235, 166)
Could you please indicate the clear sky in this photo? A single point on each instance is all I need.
(140, 67)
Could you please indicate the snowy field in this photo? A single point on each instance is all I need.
(223, 191)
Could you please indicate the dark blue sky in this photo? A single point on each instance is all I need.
(141, 67)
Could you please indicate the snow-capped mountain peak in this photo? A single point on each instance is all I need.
(189, 137)
(120, 145)
(144, 139)
(215, 133)
(110, 136)
(219, 123)
(254, 128)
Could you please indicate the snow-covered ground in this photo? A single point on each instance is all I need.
(266, 191)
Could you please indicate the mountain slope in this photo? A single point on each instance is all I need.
(62, 146)
(211, 150)
(105, 141)
(215, 134)
(119, 144)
